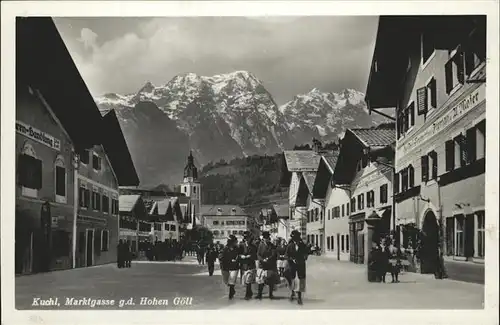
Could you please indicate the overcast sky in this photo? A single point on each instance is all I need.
(291, 55)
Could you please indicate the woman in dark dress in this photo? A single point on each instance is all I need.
(296, 255)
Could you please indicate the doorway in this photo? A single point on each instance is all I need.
(90, 247)
(429, 244)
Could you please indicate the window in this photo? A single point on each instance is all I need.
(194, 190)
(450, 231)
(459, 236)
(347, 243)
(450, 155)
(480, 234)
(328, 243)
(361, 202)
(85, 156)
(308, 216)
(396, 183)
(60, 170)
(454, 72)
(471, 142)
(29, 171)
(185, 189)
(353, 204)
(316, 240)
(370, 199)
(410, 116)
(342, 243)
(431, 92)
(404, 179)
(347, 209)
(114, 206)
(343, 210)
(328, 214)
(434, 171)
(105, 203)
(84, 196)
(105, 240)
(481, 139)
(316, 214)
(215, 222)
(96, 162)
(460, 151)
(216, 233)
(383, 193)
(427, 47)
(321, 214)
(333, 242)
(235, 232)
(173, 227)
(424, 161)
(222, 232)
(96, 200)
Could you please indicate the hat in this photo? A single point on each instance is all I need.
(265, 234)
(295, 234)
(232, 238)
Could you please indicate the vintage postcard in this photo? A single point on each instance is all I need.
(281, 161)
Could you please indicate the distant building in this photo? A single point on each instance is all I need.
(225, 220)
(433, 73)
(192, 189)
(134, 224)
(169, 215)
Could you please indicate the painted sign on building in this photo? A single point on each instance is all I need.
(453, 114)
(37, 135)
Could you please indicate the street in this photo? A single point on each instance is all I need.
(330, 285)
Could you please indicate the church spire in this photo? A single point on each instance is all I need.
(190, 171)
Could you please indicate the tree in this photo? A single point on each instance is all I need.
(162, 187)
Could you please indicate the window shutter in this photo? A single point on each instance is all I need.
(449, 75)
(434, 157)
(460, 68)
(433, 87)
(422, 100)
(463, 150)
(471, 144)
(425, 167)
(450, 155)
(411, 113)
(38, 173)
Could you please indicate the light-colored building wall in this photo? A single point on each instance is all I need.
(223, 226)
(315, 233)
(337, 223)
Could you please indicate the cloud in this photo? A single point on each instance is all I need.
(88, 38)
(289, 54)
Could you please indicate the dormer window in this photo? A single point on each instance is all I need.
(233, 211)
(96, 162)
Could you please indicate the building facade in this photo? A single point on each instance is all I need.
(440, 150)
(225, 220)
(364, 170)
(191, 188)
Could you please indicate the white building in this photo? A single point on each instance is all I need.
(225, 220)
(191, 188)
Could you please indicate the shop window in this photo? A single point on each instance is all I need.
(85, 156)
(454, 71)
(481, 140)
(96, 162)
(450, 155)
(105, 240)
(383, 193)
(450, 233)
(29, 171)
(424, 162)
(105, 203)
(428, 47)
(60, 170)
(434, 159)
(459, 235)
(480, 234)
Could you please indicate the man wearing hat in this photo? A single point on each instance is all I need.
(247, 257)
(296, 254)
(229, 264)
(266, 254)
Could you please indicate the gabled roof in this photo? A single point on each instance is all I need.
(309, 178)
(117, 150)
(44, 63)
(301, 160)
(302, 193)
(326, 169)
(373, 137)
(127, 203)
(331, 160)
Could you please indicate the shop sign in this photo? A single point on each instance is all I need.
(453, 114)
(37, 135)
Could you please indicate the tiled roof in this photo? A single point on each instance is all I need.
(301, 160)
(212, 210)
(331, 160)
(375, 137)
(127, 202)
(309, 178)
(281, 210)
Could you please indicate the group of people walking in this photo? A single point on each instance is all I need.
(262, 262)
(124, 254)
(385, 257)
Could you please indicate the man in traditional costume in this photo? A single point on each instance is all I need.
(229, 264)
(266, 273)
(211, 257)
(247, 258)
(296, 255)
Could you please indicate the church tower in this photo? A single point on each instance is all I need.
(192, 189)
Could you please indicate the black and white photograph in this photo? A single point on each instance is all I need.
(250, 161)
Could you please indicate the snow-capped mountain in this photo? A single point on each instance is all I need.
(222, 117)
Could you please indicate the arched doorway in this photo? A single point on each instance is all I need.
(429, 244)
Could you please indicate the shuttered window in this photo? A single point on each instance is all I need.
(471, 145)
(454, 71)
(422, 100)
(30, 172)
(411, 176)
(450, 155)
(424, 161)
(434, 171)
(431, 94)
(481, 140)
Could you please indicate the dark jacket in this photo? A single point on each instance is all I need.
(297, 254)
(267, 256)
(211, 255)
(229, 259)
(246, 248)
